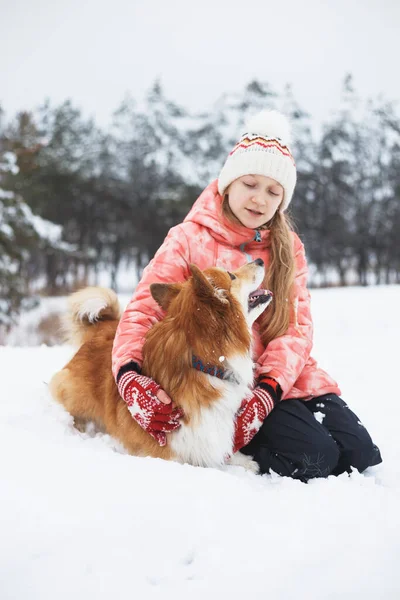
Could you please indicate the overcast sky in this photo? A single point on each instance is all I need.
(94, 51)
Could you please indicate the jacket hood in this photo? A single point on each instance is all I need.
(207, 211)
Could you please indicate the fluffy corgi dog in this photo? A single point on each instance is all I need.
(200, 354)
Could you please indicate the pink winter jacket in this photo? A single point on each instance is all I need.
(206, 238)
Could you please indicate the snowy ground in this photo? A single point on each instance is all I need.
(80, 519)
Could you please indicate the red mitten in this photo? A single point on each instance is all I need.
(254, 410)
(155, 417)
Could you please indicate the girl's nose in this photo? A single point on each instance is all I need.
(257, 199)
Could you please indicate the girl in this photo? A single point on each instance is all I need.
(241, 217)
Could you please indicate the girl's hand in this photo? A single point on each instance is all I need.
(149, 405)
(254, 410)
(163, 397)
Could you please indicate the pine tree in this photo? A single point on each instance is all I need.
(23, 235)
(17, 237)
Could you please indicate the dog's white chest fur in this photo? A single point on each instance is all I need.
(207, 440)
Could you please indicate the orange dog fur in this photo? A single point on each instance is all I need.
(210, 316)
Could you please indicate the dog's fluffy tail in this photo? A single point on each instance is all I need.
(87, 308)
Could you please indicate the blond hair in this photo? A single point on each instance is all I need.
(280, 273)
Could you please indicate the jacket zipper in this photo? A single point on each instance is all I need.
(256, 238)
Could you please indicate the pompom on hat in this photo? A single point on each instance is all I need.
(263, 150)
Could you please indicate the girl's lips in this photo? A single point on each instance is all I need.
(254, 212)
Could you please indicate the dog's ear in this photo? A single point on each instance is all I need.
(164, 293)
(202, 285)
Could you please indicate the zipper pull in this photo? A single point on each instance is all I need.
(257, 236)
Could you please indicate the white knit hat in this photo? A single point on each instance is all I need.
(263, 150)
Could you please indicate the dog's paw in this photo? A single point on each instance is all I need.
(242, 460)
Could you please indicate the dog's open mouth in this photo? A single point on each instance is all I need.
(259, 297)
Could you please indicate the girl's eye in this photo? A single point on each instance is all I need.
(231, 275)
(273, 193)
(249, 185)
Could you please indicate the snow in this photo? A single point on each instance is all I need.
(46, 229)
(6, 195)
(8, 162)
(319, 416)
(81, 519)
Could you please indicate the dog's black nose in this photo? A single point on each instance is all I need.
(259, 262)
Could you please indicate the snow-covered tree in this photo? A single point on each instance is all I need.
(21, 234)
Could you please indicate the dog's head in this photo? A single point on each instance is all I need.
(216, 295)
(245, 287)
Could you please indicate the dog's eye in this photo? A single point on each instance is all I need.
(231, 275)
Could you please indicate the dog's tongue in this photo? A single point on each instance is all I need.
(258, 297)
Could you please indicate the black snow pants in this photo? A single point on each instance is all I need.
(313, 438)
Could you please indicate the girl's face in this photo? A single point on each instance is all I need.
(254, 199)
